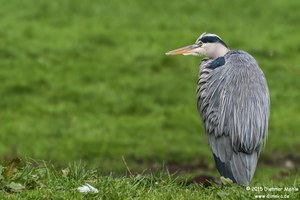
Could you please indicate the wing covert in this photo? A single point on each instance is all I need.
(233, 101)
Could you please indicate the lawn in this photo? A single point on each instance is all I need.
(88, 81)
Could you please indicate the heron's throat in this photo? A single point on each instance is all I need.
(216, 50)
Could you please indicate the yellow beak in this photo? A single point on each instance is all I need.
(183, 50)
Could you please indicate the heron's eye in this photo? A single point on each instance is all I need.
(199, 42)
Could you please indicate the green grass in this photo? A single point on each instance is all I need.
(42, 181)
(88, 80)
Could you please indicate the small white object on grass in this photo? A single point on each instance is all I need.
(87, 188)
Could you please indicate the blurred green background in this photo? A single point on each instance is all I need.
(88, 80)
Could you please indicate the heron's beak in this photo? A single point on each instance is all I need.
(188, 50)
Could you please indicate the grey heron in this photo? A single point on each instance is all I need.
(234, 104)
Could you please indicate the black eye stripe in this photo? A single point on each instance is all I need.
(212, 39)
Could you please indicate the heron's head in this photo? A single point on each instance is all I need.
(209, 45)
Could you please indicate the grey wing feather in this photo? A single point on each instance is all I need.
(233, 101)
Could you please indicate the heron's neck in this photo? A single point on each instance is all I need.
(216, 50)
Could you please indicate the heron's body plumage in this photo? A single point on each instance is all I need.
(233, 101)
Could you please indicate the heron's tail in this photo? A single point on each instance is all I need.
(240, 168)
